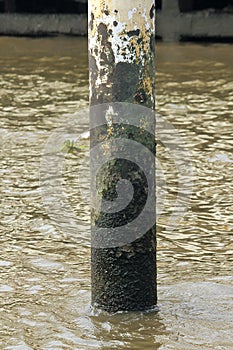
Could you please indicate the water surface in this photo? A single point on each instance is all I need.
(45, 273)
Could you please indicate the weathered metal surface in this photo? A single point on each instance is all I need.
(121, 51)
(122, 64)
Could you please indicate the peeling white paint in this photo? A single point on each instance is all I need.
(131, 13)
(147, 22)
(109, 115)
(120, 18)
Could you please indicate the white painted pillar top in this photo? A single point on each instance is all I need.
(122, 17)
(120, 32)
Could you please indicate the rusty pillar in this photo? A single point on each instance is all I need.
(122, 70)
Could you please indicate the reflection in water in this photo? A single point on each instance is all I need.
(45, 274)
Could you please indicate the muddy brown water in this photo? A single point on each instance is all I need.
(45, 273)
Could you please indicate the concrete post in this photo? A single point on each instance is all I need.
(186, 5)
(169, 24)
(122, 69)
(170, 6)
(10, 6)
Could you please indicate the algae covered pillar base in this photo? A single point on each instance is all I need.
(122, 123)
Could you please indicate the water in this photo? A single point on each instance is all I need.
(45, 273)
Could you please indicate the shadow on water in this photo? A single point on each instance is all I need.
(45, 273)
